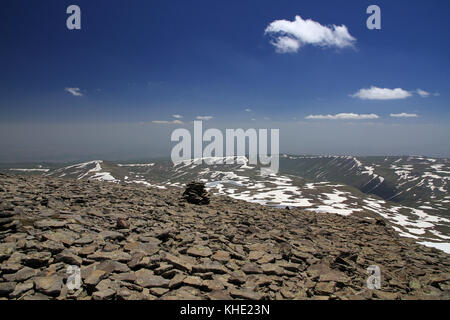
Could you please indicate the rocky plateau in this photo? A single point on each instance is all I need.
(134, 242)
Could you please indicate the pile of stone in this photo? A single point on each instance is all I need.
(196, 193)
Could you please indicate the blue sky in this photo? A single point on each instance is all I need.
(145, 61)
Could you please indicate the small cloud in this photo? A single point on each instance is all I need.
(343, 116)
(423, 93)
(253, 119)
(74, 91)
(167, 122)
(290, 36)
(436, 94)
(404, 115)
(248, 110)
(375, 93)
(177, 116)
(161, 122)
(205, 118)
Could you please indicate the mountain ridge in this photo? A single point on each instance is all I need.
(335, 184)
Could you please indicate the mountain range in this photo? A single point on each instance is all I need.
(410, 192)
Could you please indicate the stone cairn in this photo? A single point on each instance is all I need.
(196, 193)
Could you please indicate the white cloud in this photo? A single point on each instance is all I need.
(167, 122)
(248, 110)
(343, 116)
(286, 45)
(375, 93)
(404, 115)
(205, 118)
(177, 116)
(74, 91)
(423, 93)
(289, 36)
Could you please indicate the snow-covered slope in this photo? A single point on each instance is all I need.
(409, 192)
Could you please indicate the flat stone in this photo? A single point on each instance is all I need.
(193, 281)
(199, 251)
(94, 277)
(21, 288)
(6, 288)
(51, 285)
(115, 255)
(237, 277)
(183, 293)
(256, 255)
(53, 247)
(271, 269)
(176, 281)
(127, 277)
(37, 259)
(213, 285)
(84, 240)
(21, 275)
(10, 267)
(106, 294)
(436, 279)
(324, 288)
(251, 268)
(267, 258)
(221, 256)
(158, 291)
(287, 294)
(214, 267)
(245, 294)
(315, 270)
(219, 295)
(164, 267)
(110, 266)
(65, 238)
(383, 295)
(69, 257)
(37, 296)
(334, 275)
(145, 278)
(178, 262)
(127, 294)
(4, 221)
(88, 250)
(111, 235)
(49, 223)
